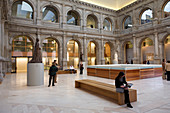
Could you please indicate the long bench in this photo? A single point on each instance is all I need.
(65, 72)
(104, 89)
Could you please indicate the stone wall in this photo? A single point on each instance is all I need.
(157, 30)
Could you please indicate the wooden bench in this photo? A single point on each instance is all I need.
(107, 90)
(64, 72)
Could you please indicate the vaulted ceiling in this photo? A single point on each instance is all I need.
(111, 4)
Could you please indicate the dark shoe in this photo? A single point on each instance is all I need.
(129, 105)
(53, 85)
(48, 85)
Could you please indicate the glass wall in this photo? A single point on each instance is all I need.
(72, 54)
(22, 48)
(49, 52)
(49, 14)
(91, 21)
(107, 53)
(22, 9)
(72, 18)
(146, 16)
(127, 22)
(91, 53)
(167, 10)
(107, 25)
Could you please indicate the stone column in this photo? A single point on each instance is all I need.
(135, 60)
(84, 20)
(0, 31)
(37, 14)
(156, 52)
(64, 52)
(64, 16)
(60, 20)
(85, 49)
(101, 23)
(102, 52)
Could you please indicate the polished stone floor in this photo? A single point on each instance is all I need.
(16, 97)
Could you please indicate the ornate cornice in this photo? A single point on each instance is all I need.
(91, 5)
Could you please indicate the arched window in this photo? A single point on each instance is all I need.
(91, 21)
(22, 9)
(72, 18)
(127, 22)
(91, 53)
(107, 25)
(146, 16)
(167, 9)
(49, 14)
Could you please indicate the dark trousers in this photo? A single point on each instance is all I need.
(168, 75)
(81, 71)
(50, 80)
(126, 92)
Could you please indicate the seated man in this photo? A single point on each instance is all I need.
(72, 70)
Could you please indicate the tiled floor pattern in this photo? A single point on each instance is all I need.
(17, 97)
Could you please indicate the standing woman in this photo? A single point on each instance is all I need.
(122, 87)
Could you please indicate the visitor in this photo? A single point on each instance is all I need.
(122, 87)
(148, 62)
(131, 61)
(72, 70)
(81, 68)
(52, 72)
(55, 78)
(167, 67)
(163, 69)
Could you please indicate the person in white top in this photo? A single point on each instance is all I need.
(71, 69)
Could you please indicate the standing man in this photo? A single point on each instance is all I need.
(163, 69)
(52, 72)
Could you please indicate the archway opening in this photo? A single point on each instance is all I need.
(128, 53)
(92, 53)
(147, 51)
(107, 53)
(22, 48)
(49, 52)
(92, 22)
(146, 16)
(167, 48)
(72, 54)
(166, 9)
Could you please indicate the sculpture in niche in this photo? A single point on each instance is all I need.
(37, 55)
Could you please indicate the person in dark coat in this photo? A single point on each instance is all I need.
(52, 72)
(81, 68)
(122, 86)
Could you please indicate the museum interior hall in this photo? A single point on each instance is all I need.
(89, 42)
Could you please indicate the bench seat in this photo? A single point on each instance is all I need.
(65, 72)
(104, 89)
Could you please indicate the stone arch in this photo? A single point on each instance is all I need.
(111, 50)
(142, 11)
(124, 19)
(95, 19)
(140, 47)
(123, 48)
(77, 13)
(58, 44)
(33, 39)
(163, 45)
(97, 49)
(162, 8)
(111, 22)
(30, 2)
(56, 7)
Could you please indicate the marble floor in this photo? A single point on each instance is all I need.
(16, 97)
